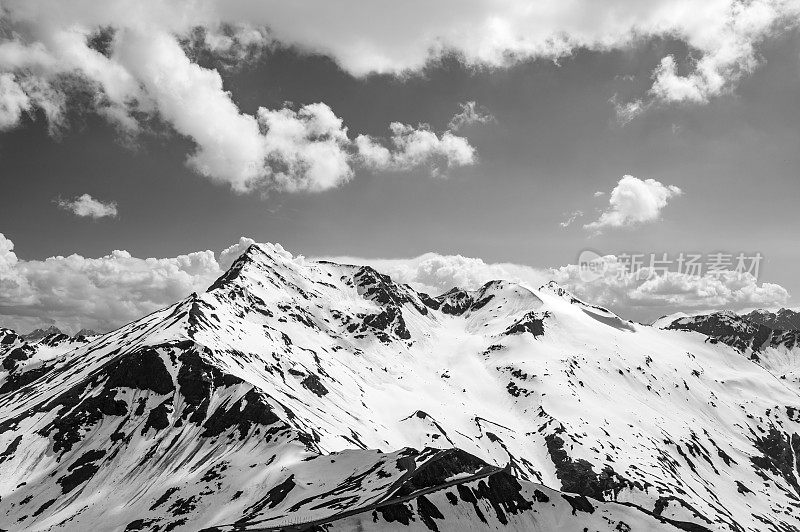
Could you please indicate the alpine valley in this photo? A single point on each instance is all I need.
(302, 395)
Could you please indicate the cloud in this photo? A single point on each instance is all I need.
(138, 61)
(310, 147)
(13, 101)
(413, 147)
(97, 293)
(470, 114)
(20, 96)
(230, 147)
(87, 206)
(233, 46)
(627, 111)
(646, 294)
(571, 218)
(135, 64)
(730, 53)
(231, 253)
(634, 201)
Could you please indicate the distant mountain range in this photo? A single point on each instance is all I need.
(749, 333)
(302, 395)
(38, 334)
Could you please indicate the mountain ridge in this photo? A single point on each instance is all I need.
(309, 388)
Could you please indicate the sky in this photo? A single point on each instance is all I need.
(448, 144)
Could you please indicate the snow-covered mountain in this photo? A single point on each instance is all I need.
(311, 395)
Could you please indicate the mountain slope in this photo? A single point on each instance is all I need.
(299, 393)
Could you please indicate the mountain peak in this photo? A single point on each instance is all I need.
(257, 259)
(267, 250)
(38, 334)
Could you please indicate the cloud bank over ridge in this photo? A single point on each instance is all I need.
(103, 293)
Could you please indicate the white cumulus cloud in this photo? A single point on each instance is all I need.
(86, 206)
(416, 146)
(101, 293)
(230, 147)
(634, 201)
(228, 255)
(310, 145)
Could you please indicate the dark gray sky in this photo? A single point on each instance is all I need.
(555, 141)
